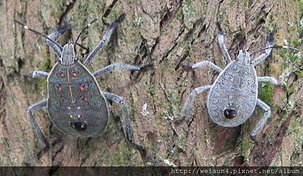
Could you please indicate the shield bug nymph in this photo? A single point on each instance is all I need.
(75, 103)
(233, 96)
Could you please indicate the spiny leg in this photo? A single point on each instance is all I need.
(272, 80)
(126, 122)
(222, 45)
(203, 64)
(40, 74)
(53, 36)
(104, 41)
(269, 46)
(117, 66)
(190, 101)
(263, 119)
(32, 109)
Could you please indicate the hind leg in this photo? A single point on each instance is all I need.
(263, 120)
(186, 109)
(126, 122)
(30, 111)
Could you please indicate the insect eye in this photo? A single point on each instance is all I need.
(230, 113)
(80, 125)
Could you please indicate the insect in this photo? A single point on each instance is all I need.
(75, 103)
(233, 96)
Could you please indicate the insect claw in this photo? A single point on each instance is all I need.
(253, 137)
(43, 150)
(282, 84)
(120, 18)
(219, 28)
(186, 67)
(145, 67)
(178, 120)
(270, 38)
(64, 28)
(142, 150)
(28, 76)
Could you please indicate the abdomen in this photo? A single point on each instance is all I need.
(235, 88)
(76, 97)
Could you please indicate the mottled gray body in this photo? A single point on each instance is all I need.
(75, 96)
(75, 103)
(235, 88)
(233, 96)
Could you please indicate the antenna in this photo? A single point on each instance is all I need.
(87, 26)
(36, 32)
(275, 46)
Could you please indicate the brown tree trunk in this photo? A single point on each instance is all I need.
(165, 33)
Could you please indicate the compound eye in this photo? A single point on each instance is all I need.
(230, 113)
(80, 125)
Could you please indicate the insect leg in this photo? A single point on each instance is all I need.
(126, 122)
(201, 65)
(103, 42)
(269, 46)
(190, 101)
(222, 45)
(116, 66)
(40, 74)
(53, 36)
(33, 108)
(272, 80)
(263, 120)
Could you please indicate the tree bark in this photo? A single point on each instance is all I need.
(166, 34)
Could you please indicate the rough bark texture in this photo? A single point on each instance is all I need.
(165, 33)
